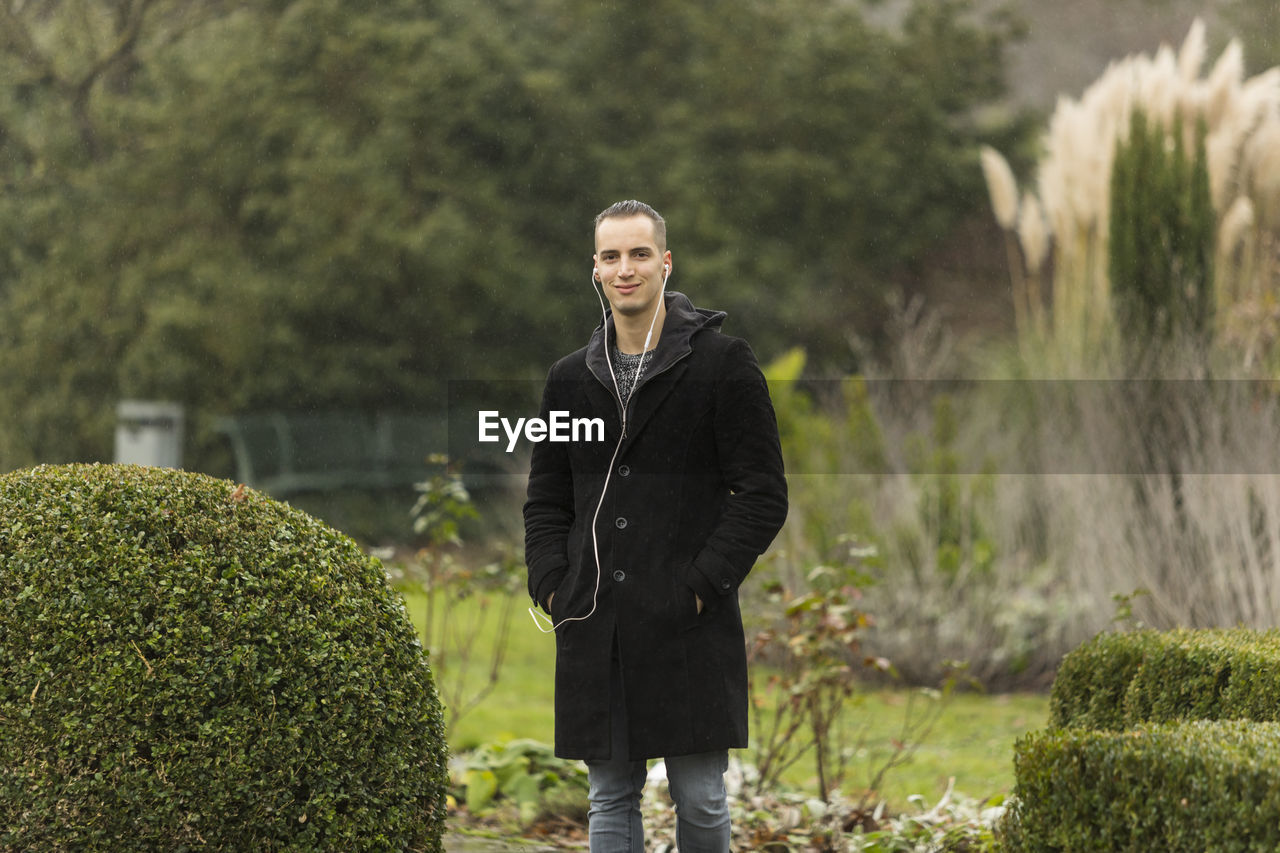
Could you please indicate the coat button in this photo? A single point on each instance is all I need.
(624, 470)
(619, 575)
(620, 523)
(724, 583)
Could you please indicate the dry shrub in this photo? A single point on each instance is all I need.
(1176, 494)
(1002, 518)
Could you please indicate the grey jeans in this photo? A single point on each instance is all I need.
(697, 788)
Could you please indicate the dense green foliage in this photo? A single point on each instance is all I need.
(1217, 675)
(1162, 233)
(1121, 680)
(310, 204)
(1090, 686)
(184, 662)
(1188, 788)
(526, 775)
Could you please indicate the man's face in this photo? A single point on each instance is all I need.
(630, 263)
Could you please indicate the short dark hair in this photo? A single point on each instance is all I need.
(631, 207)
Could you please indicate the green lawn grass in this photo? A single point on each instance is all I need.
(972, 739)
(520, 706)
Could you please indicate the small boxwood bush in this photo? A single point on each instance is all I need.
(1088, 690)
(1201, 786)
(1208, 675)
(185, 663)
(1119, 680)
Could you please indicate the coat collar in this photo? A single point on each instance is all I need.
(682, 322)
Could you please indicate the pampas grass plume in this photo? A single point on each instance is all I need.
(1001, 185)
(1224, 80)
(1032, 233)
(1191, 57)
(1235, 225)
(1263, 163)
(1182, 91)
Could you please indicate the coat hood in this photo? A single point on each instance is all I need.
(683, 321)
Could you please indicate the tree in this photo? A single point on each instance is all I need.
(1162, 233)
(315, 204)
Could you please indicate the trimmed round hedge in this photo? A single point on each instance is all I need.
(186, 663)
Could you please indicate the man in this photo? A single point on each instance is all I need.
(636, 546)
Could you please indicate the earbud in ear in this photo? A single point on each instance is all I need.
(595, 273)
(666, 268)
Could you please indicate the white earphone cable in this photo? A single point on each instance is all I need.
(538, 618)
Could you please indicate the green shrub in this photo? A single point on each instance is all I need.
(1162, 230)
(527, 775)
(1200, 786)
(1088, 691)
(187, 663)
(1208, 675)
(1119, 680)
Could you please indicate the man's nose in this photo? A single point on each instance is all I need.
(624, 268)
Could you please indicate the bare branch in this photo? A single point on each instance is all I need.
(130, 20)
(16, 38)
(127, 41)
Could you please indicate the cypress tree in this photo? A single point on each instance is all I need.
(1161, 234)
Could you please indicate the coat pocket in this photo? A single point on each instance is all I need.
(685, 605)
(559, 600)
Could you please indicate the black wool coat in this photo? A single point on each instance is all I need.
(694, 495)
